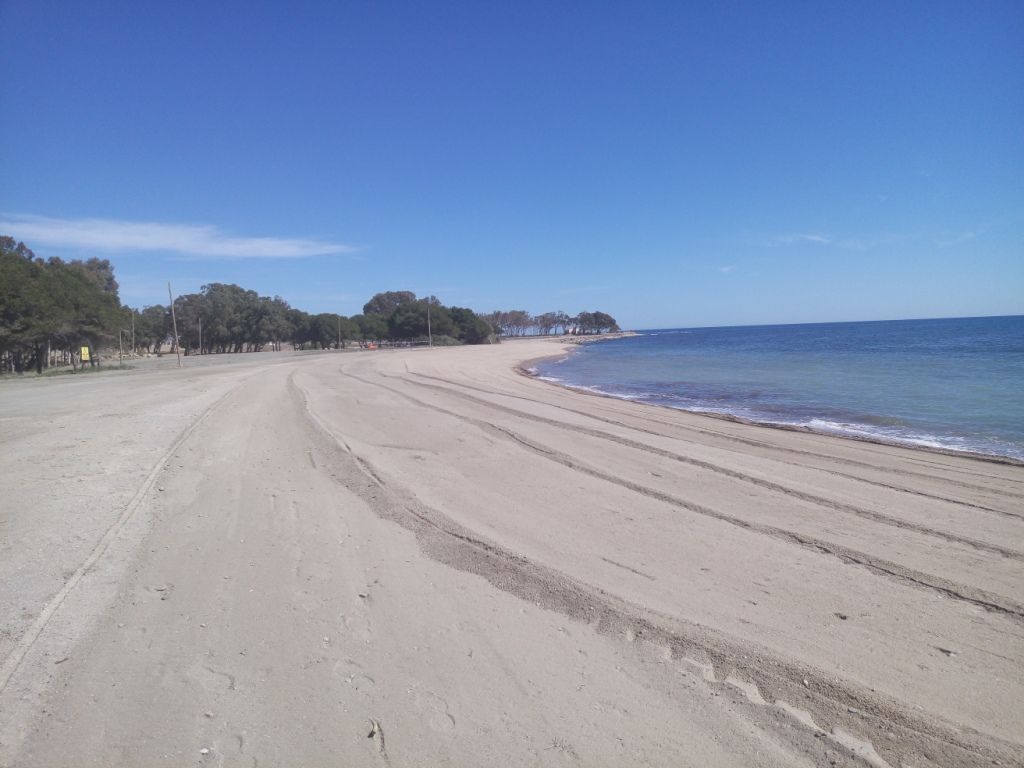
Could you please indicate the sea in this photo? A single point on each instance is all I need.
(954, 383)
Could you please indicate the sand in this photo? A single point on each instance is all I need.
(424, 557)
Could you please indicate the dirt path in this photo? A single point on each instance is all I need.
(423, 558)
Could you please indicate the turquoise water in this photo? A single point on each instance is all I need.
(950, 383)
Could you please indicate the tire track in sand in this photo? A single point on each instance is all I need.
(852, 509)
(24, 645)
(884, 568)
(900, 733)
(766, 446)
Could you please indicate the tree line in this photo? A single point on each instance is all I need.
(227, 318)
(50, 309)
(518, 322)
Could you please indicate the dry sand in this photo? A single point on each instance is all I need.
(423, 557)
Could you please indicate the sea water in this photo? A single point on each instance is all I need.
(949, 383)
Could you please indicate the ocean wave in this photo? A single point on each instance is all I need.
(874, 428)
(888, 382)
(874, 432)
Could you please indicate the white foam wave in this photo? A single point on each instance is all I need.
(861, 430)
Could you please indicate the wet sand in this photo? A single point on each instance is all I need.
(423, 557)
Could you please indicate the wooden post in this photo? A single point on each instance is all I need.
(200, 334)
(174, 321)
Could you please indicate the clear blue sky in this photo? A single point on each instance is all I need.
(672, 163)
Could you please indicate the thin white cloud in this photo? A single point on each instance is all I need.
(881, 240)
(780, 240)
(951, 242)
(856, 244)
(726, 269)
(111, 235)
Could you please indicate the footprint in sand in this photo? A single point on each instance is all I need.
(213, 679)
(435, 712)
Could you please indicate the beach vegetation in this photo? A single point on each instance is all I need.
(387, 302)
(518, 322)
(372, 327)
(48, 305)
(595, 322)
(471, 328)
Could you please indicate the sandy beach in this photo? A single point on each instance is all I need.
(424, 557)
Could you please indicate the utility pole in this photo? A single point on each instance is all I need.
(200, 334)
(120, 347)
(174, 321)
(430, 335)
(339, 331)
(133, 332)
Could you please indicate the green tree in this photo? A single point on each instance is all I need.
(52, 303)
(24, 300)
(586, 322)
(275, 325)
(546, 322)
(152, 327)
(372, 327)
(604, 322)
(349, 329)
(596, 322)
(408, 322)
(386, 303)
(470, 327)
(101, 272)
(323, 330)
(299, 323)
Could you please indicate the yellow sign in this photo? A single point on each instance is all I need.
(85, 354)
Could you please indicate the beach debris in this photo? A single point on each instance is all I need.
(562, 746)
(377, 734)
(947, 651)
(61, 661)
(841, 616)
(806, 684)
(164, 590)
(204, 751)
(207, 714)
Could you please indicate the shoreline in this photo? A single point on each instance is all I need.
(524, 369)
(487, 564)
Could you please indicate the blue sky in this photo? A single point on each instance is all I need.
(674, 164)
